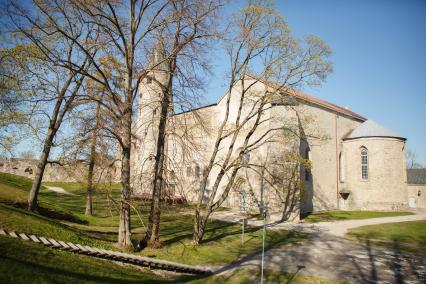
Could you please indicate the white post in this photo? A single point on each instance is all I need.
(243, 209)
(242, 235)
(264, 209)
(263, 249)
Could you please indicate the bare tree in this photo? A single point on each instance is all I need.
(411, 160)
(261, 49)
(186, 36)
(53, 82)
(122, 34)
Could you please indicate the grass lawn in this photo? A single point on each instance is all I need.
(62, 217)
(407, 236)
(26, 262)
(329, 216)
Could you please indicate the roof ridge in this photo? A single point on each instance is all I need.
(312, 99)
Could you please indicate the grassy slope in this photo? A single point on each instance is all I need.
(407, 236)
(222, 241)
(61, 217)
(349, 215)
(25, 262)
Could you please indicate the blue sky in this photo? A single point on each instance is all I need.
(379, 55)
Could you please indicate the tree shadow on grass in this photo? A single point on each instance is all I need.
(51, 213)
(401, 263)
(50, 274)
(93, 235)
(217, 237)
(209, 229)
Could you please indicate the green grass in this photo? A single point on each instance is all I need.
(405, 236)
(222, 243)
(62, 217)
(26, 262)
(329, 216)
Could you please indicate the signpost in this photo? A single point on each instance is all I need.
(264, 207)
(243, 209)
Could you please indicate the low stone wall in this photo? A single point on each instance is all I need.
(76, 172)
(417, 195)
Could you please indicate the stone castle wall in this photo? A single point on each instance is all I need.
(386, 186)
(335, 161)
(55, 172)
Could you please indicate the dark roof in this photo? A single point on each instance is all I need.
(371, 128)
(416, 176)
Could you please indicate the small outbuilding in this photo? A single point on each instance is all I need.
(416, 181)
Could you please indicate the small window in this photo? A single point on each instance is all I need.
(188, 171)
(364, 163)
(172, 176)
(341, 167)
(197, 170)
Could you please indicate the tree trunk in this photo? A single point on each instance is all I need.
(124, 230)
(153, 232)
(89, 194)
(54, 124)
(41, 165)
(200, 222)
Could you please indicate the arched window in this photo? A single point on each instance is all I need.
(197, 171)
(341, 174)
(364, 163)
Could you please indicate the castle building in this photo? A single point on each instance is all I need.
(342, 160)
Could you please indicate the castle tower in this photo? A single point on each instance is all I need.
(374, 171)
(146, 125)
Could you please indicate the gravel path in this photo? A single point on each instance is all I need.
(337, 228)
(327, 254)
(59, 190)
(336, 258)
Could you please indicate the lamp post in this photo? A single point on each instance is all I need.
(264, 207)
